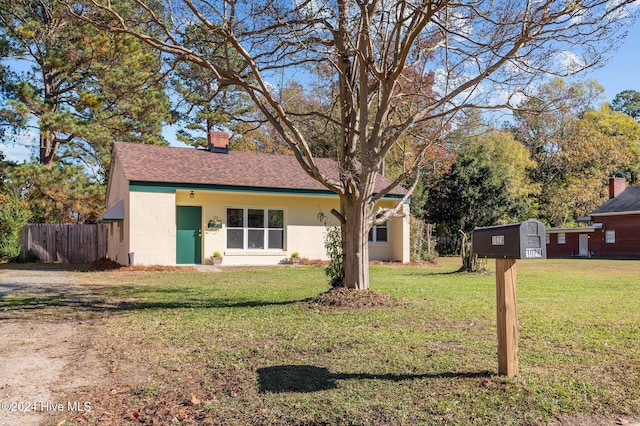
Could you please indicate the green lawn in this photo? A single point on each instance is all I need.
(239, 347)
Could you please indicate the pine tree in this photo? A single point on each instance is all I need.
(83, 89)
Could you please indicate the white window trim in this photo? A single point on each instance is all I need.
(245, 230)
(562, 238)
(375, 234)
(610, 236)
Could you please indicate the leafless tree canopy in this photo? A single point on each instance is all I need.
(397, 66)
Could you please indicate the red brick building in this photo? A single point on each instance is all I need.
(613, 229)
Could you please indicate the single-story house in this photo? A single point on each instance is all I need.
(612, 231)
(169, 205)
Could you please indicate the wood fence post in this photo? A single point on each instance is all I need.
(507, 317)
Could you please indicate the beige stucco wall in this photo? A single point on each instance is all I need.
(304, 233)
(152, 228)
(400, 231)
(397, 247)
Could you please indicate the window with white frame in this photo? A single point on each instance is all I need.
(255, 229)
(547, 238)
(379, 234)
(562, 238)
(610, 237)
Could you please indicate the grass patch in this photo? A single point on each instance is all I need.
(246, 346)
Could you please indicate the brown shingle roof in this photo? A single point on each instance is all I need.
(154, 163)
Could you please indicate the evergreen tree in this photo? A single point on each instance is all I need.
(488, 184)
(628, 102)
(204, 103)
(60, 194)
(14, 214)
(473, 193)
(84, 87)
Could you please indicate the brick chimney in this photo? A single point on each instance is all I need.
(616, 186)
(218, 142)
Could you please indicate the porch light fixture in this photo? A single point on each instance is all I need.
(191, 194)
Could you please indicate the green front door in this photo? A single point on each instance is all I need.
(189, 234)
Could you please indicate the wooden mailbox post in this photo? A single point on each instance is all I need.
(525, 240)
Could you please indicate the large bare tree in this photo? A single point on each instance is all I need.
(480, 54)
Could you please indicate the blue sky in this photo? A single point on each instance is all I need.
(621, 72)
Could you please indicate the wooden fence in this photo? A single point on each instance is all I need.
(63, 243)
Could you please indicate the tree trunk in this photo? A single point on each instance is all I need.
(470, 261)
(357, 210)
(48, 148)
(49, 142)
(356, 245)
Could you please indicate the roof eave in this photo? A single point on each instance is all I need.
(621, 213)
(114, 214)
(171, 187)
(577, 229)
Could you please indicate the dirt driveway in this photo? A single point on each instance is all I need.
(42, 358)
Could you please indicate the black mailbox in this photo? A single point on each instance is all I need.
(525, 240)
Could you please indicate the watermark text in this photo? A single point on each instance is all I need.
(45, 406)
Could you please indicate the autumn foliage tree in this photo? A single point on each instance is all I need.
(577, 148)
(479, 53)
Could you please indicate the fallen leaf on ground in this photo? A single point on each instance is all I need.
(195, 400)
(487, 383)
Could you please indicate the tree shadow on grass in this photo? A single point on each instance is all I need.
(44, 291)
(19, 298)
(309, 378)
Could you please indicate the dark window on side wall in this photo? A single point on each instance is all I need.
(379, 234)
